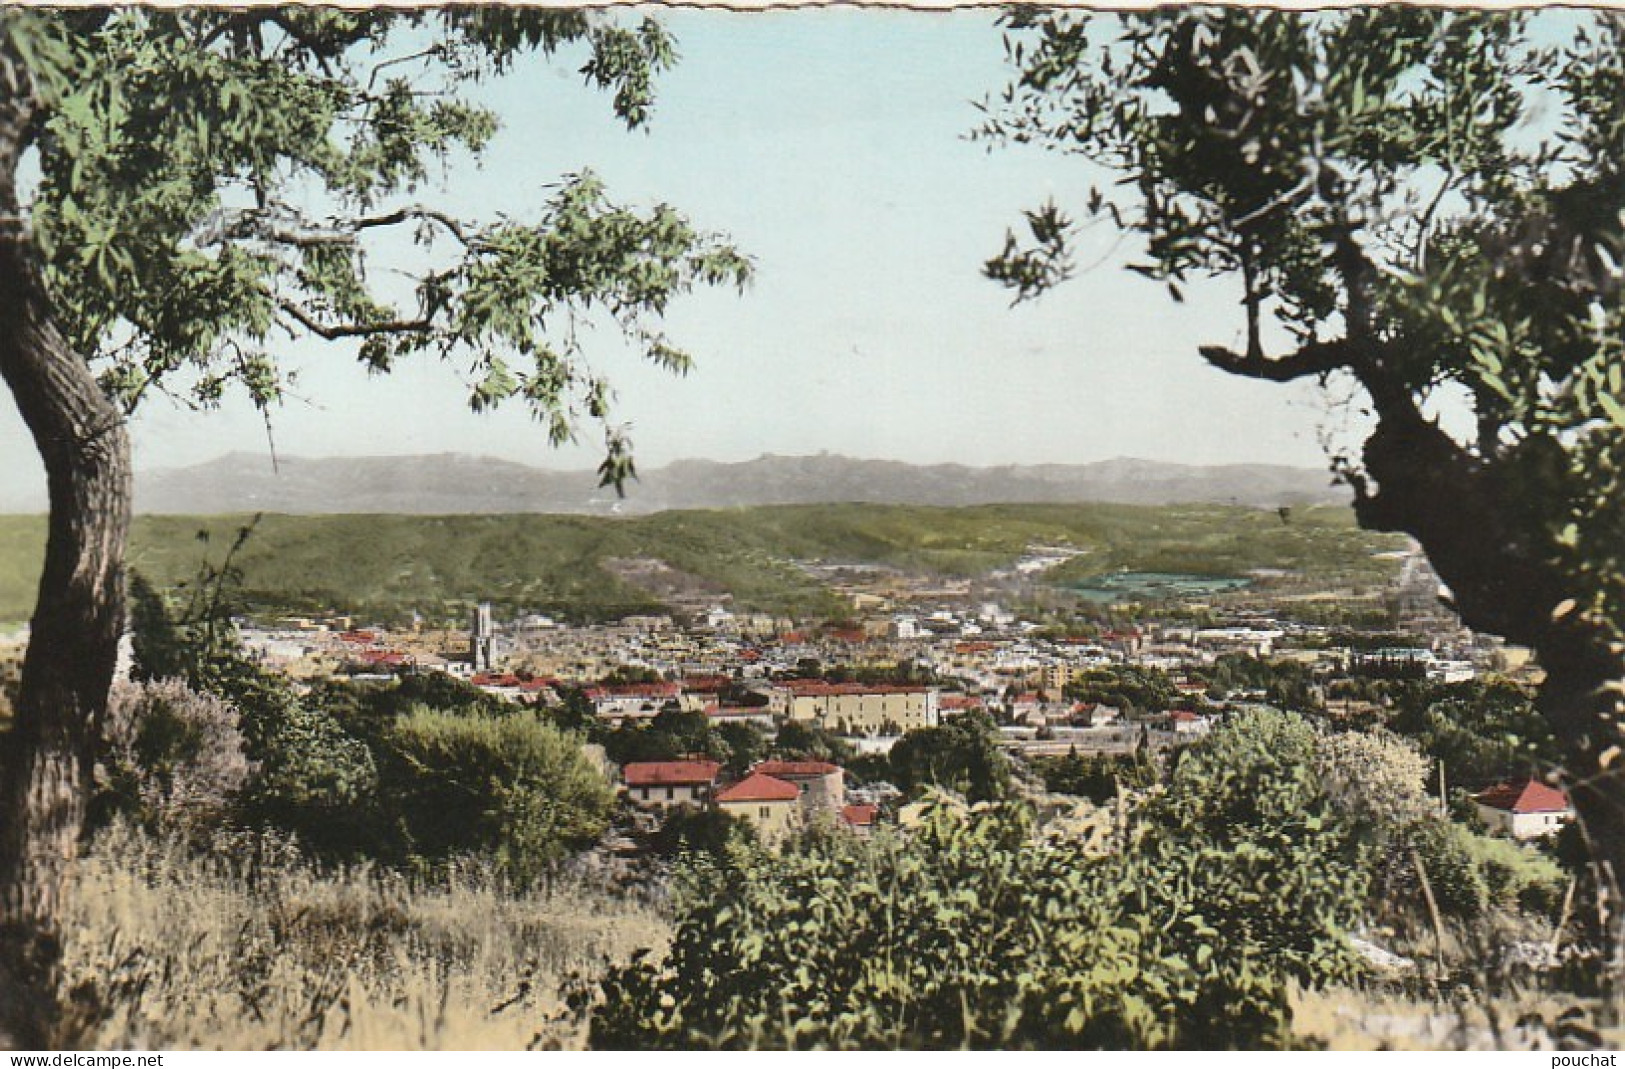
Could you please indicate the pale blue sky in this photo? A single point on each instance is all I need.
(829, 144)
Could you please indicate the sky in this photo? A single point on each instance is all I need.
(829, 144)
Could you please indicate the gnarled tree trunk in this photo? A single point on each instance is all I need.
(46, 764)
(1487, 541)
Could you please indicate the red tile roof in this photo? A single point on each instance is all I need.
(758, 787)
(859, 816)
(1524, 796)
(796, 768)
(723, 712)
(818, 688)
(670, 773)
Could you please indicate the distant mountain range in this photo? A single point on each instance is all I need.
(453, 483)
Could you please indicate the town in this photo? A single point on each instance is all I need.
(917, 652)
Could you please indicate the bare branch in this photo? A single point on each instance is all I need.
(412, 211)
(283, 226)
(1425, 224)
(1316, 358)
(335, 331)
(372, 78)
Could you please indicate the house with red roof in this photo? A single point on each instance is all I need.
(769, 805)
(1524, 809)
(860, 818)
(822, 786)
(669, 784)
(631, 701)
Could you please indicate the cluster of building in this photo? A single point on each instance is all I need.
(775, 798)
(745, 667)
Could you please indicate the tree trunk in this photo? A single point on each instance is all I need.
(46, 763)
(1580, 698)
(1483, 527)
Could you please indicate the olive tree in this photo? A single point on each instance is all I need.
(1426, 205)
(183, 191)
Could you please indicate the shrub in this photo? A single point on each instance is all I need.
(314, 779)
(1446, 851)
(693, 831)
(511, 787)
(1518, 876)
(969, 932)
(962, 755)
(173, 757)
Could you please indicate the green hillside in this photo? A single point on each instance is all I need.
(393, 564)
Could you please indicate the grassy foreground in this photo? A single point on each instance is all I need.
(257, 950)
(170, 950)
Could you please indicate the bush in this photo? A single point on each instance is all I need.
(1096, 777)
(695, 831)
(174, 758)
(1446, 851)
(1519, 876)
(962, 755)
(314, 778)
(968, 930)
(513, 787)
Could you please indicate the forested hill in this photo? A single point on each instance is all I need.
(578, 565)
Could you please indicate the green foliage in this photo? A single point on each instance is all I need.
(513, 788)
(1518, 877)
(745, 744)
(1446, 851)
(1375, 777)
(700, 831)
(803, 740)
(1097, 777)
(159, 649)
(314, 778)
(961, 755)
(1483, 730)
(310, 776)
(173, 758)
(1418, 198)
(211, 178)
(671, 734)
(1252, 790)
(1130, 688)
(1286, 684)
(970, 931)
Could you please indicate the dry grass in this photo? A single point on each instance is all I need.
(256, 949)
(1351, 1020)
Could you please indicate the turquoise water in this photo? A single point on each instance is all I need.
(1154, 586)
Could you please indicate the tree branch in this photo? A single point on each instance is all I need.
(412, 211)
(1315, 358)
(283, 226)
(335, 331)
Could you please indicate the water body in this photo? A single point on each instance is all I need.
(1155, 586)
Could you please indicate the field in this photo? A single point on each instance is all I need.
(393, 565)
